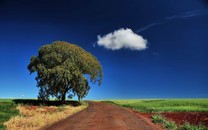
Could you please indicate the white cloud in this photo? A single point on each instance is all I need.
(122, 38)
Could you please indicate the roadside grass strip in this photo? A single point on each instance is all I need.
(37, 117)
(170, 125)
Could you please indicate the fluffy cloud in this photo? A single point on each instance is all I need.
(122, 38)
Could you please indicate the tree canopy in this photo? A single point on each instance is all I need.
(64, 69)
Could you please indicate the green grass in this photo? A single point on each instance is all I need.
(165, 105)
(158, 119)
(169, 125)
(7, 110)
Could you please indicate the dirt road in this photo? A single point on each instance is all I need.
(104, 116)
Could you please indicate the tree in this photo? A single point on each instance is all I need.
(64, 69)
(81, 88)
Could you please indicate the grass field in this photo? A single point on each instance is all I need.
(165, 105)
(7, 110)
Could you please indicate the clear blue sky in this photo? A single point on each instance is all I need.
(174, 64)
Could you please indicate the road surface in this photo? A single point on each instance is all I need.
(104, 116)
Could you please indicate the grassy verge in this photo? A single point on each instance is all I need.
(35, 117)
(165, 105)
(169, 125)
(33, 114)
(7, 110)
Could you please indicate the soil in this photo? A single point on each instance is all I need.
(195, 118)
(180, 118)
(104, 116)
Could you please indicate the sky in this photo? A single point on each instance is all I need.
(147, 48)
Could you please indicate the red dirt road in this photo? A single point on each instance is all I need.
(104, 116)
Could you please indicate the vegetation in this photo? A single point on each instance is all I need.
(32, 114)
(188, 126)
(7, 110)
(64, 69)
(169, 125)
(166, 105)
(158, 119)
(36, 102)
(36, 117)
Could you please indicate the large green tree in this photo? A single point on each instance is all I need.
(64, 69)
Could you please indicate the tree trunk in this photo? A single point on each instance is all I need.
(79, 99)
(63, 98)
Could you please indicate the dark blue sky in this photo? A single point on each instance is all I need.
(173, 66)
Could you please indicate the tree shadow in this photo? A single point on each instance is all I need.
(35, 102)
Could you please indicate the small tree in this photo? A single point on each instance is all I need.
(64, 68)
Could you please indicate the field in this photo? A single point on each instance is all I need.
(179, 111)
(166, 105)
(31, 114)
